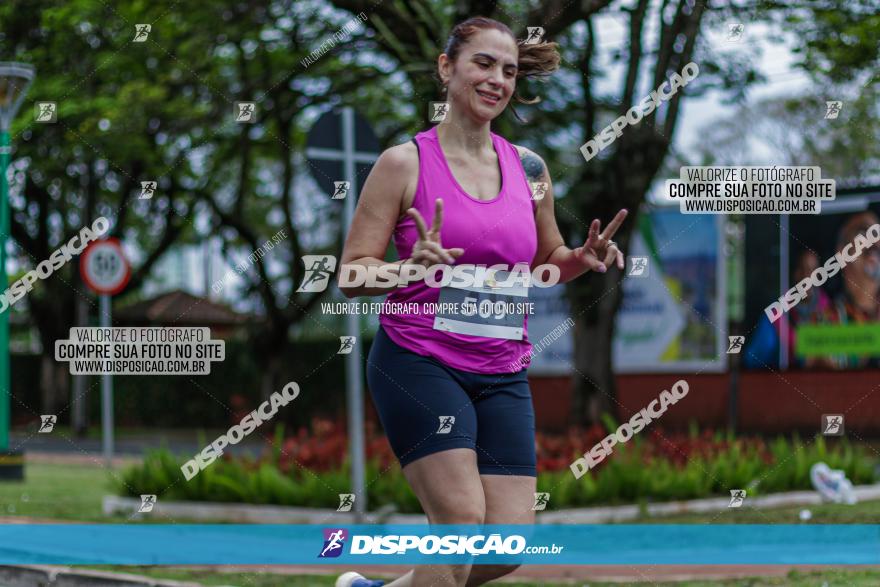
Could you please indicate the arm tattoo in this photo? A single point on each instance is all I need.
(533, 165)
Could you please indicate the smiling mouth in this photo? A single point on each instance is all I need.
(494, 99)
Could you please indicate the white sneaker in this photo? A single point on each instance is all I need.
(352, 579)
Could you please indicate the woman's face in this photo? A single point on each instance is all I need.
(483, 77)
(871, 263)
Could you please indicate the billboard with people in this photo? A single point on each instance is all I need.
(828, 305)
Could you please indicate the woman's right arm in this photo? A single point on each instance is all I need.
(376, 216)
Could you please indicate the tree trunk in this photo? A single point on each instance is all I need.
(53, 382)
(272, 348)
(269, 377)
(621, 182)
(595, 299)
(53, 316)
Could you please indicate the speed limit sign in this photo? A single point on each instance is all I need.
(104, 268)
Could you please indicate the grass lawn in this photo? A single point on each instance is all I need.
(63, 492)
(867, 512)
(833, 578)
(67, 493)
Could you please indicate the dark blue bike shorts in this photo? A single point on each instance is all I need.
(427, 407)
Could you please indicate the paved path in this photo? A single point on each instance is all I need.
(575, 574)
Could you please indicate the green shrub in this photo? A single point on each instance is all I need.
(633, 473)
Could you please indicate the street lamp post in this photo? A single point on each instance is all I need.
(15, 78)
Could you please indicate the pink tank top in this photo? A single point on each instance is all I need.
(497, 231)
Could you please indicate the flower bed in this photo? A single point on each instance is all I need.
(311, 468)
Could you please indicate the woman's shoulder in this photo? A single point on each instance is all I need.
(402, 158)
(532, 163)
(397, 171)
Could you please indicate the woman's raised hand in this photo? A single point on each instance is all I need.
(428, 250)
(600, 251)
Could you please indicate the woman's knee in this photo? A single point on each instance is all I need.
(448, 486)
(483, 573)
(456, 512)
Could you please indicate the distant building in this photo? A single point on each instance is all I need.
(179, 308)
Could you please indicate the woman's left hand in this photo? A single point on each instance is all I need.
(600, 251)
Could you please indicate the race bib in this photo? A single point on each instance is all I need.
(491, 310)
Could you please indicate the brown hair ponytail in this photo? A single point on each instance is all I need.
(536, 60)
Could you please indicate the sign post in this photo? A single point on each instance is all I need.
(105, 271)
(340, 146)
(15, 79)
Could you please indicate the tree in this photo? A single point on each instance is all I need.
(794, 130)
(119, 123)
(253, 179)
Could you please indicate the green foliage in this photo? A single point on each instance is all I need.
(609, 422)
(837, 38)
(245, 480)
(627, 476)
(794, 130)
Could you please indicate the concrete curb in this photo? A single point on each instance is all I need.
(249, 513)
(56, 576)
(263, 514)
(708, 505)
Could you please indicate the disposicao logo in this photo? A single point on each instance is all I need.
(334, 542)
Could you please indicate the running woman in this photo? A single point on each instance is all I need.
(452, 395)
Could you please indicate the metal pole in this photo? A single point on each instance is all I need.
(6, 393)
(106, 392)
(207, 249)
(79, 401)
(783, 286)
(734, 311)
(353, 365)
(733, 388)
